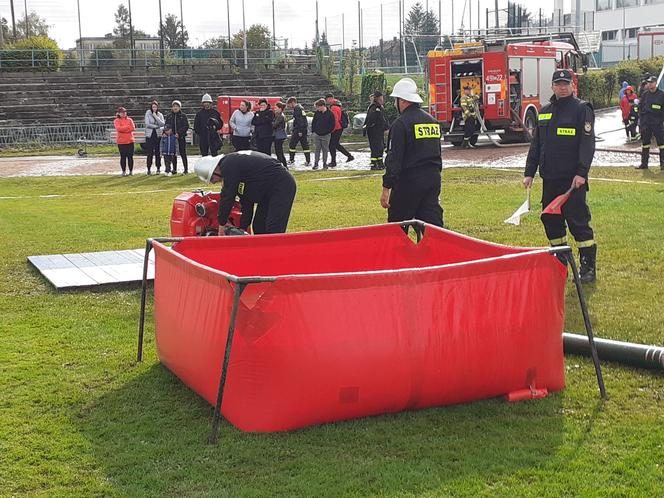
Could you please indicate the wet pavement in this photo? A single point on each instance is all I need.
(608, 127)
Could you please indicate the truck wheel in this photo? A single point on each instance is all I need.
(530, 122)
(457, 143)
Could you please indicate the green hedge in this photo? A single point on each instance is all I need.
(600, 87)
(35, 52)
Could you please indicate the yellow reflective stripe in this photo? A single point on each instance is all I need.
(660, 146)
(427, 130)
(376, 158)
(645, 146)
(545, 116)
(558, 242)
(240, 188)
(656, 106)
(586, 243)
(570, 132)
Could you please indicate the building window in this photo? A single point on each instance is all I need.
(630, 33)
(609, 35)
(650, 2)
(603, 5)
(626, 3)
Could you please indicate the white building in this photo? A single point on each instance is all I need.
(618, 21)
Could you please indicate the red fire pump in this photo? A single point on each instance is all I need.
(195, 214)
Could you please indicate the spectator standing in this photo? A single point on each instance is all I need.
(154, 127)
(299, 133)
(179, 123)
(240, 124)
(279, 126)
(340, 119)
(262, 121)
(169, 149)
(207, 124)
(321, 129)
(125, 127)
(375, 125)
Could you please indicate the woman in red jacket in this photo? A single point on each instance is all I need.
(629, 113)
(125, 138)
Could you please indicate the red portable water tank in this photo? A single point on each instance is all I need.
(195, 214)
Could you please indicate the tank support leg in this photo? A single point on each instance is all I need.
(144, 287)
(214, 433)
(589, 328)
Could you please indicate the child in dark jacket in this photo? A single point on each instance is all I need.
(169, 147)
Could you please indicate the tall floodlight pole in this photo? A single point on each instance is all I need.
(623, 30)
(382, 58)
(11, 4)
(495, 3)
(244, 38)
(317, 33)
(452, 13)
(161, 38)
(343, 33)
(228, 19)
(470, 16)
(274, 29)
(27, 26)
(131, 37)
(182, 27)
(440, 20)
(80, 36)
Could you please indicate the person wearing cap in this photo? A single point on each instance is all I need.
(563, 147)
(335, 136)
(207, 124)
(468, 108)
(124, 126)
(374, 129)
(179, 123)
(258, 180)
(154, 127)
(412, 180)
(651, 121)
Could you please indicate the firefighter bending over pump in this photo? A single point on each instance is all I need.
(258, 180)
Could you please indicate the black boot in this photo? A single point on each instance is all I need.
(588, 257)
(645, 155)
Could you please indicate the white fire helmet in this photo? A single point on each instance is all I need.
(406, 89)
(206, 165)
(206, 98)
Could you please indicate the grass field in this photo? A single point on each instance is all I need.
(78, 417)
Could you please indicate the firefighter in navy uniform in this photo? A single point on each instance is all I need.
(651, 121)
(468, 107)
(257, 179)
(563, 147)
(374, 128)
(411, 183)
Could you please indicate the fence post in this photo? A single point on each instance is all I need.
(48, 58)
(97, 57)
(33, 57)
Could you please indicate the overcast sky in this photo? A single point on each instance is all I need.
(205, 19)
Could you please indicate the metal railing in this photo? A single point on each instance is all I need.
(116, 58)
(55, 134)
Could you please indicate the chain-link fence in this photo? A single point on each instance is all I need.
(383, 31)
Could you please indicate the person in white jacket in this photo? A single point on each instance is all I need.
(240, 124)
(154, 128)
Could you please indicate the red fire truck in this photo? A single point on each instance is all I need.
(228, 104)
(513, 81)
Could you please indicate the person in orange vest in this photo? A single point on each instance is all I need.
(125, 127)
